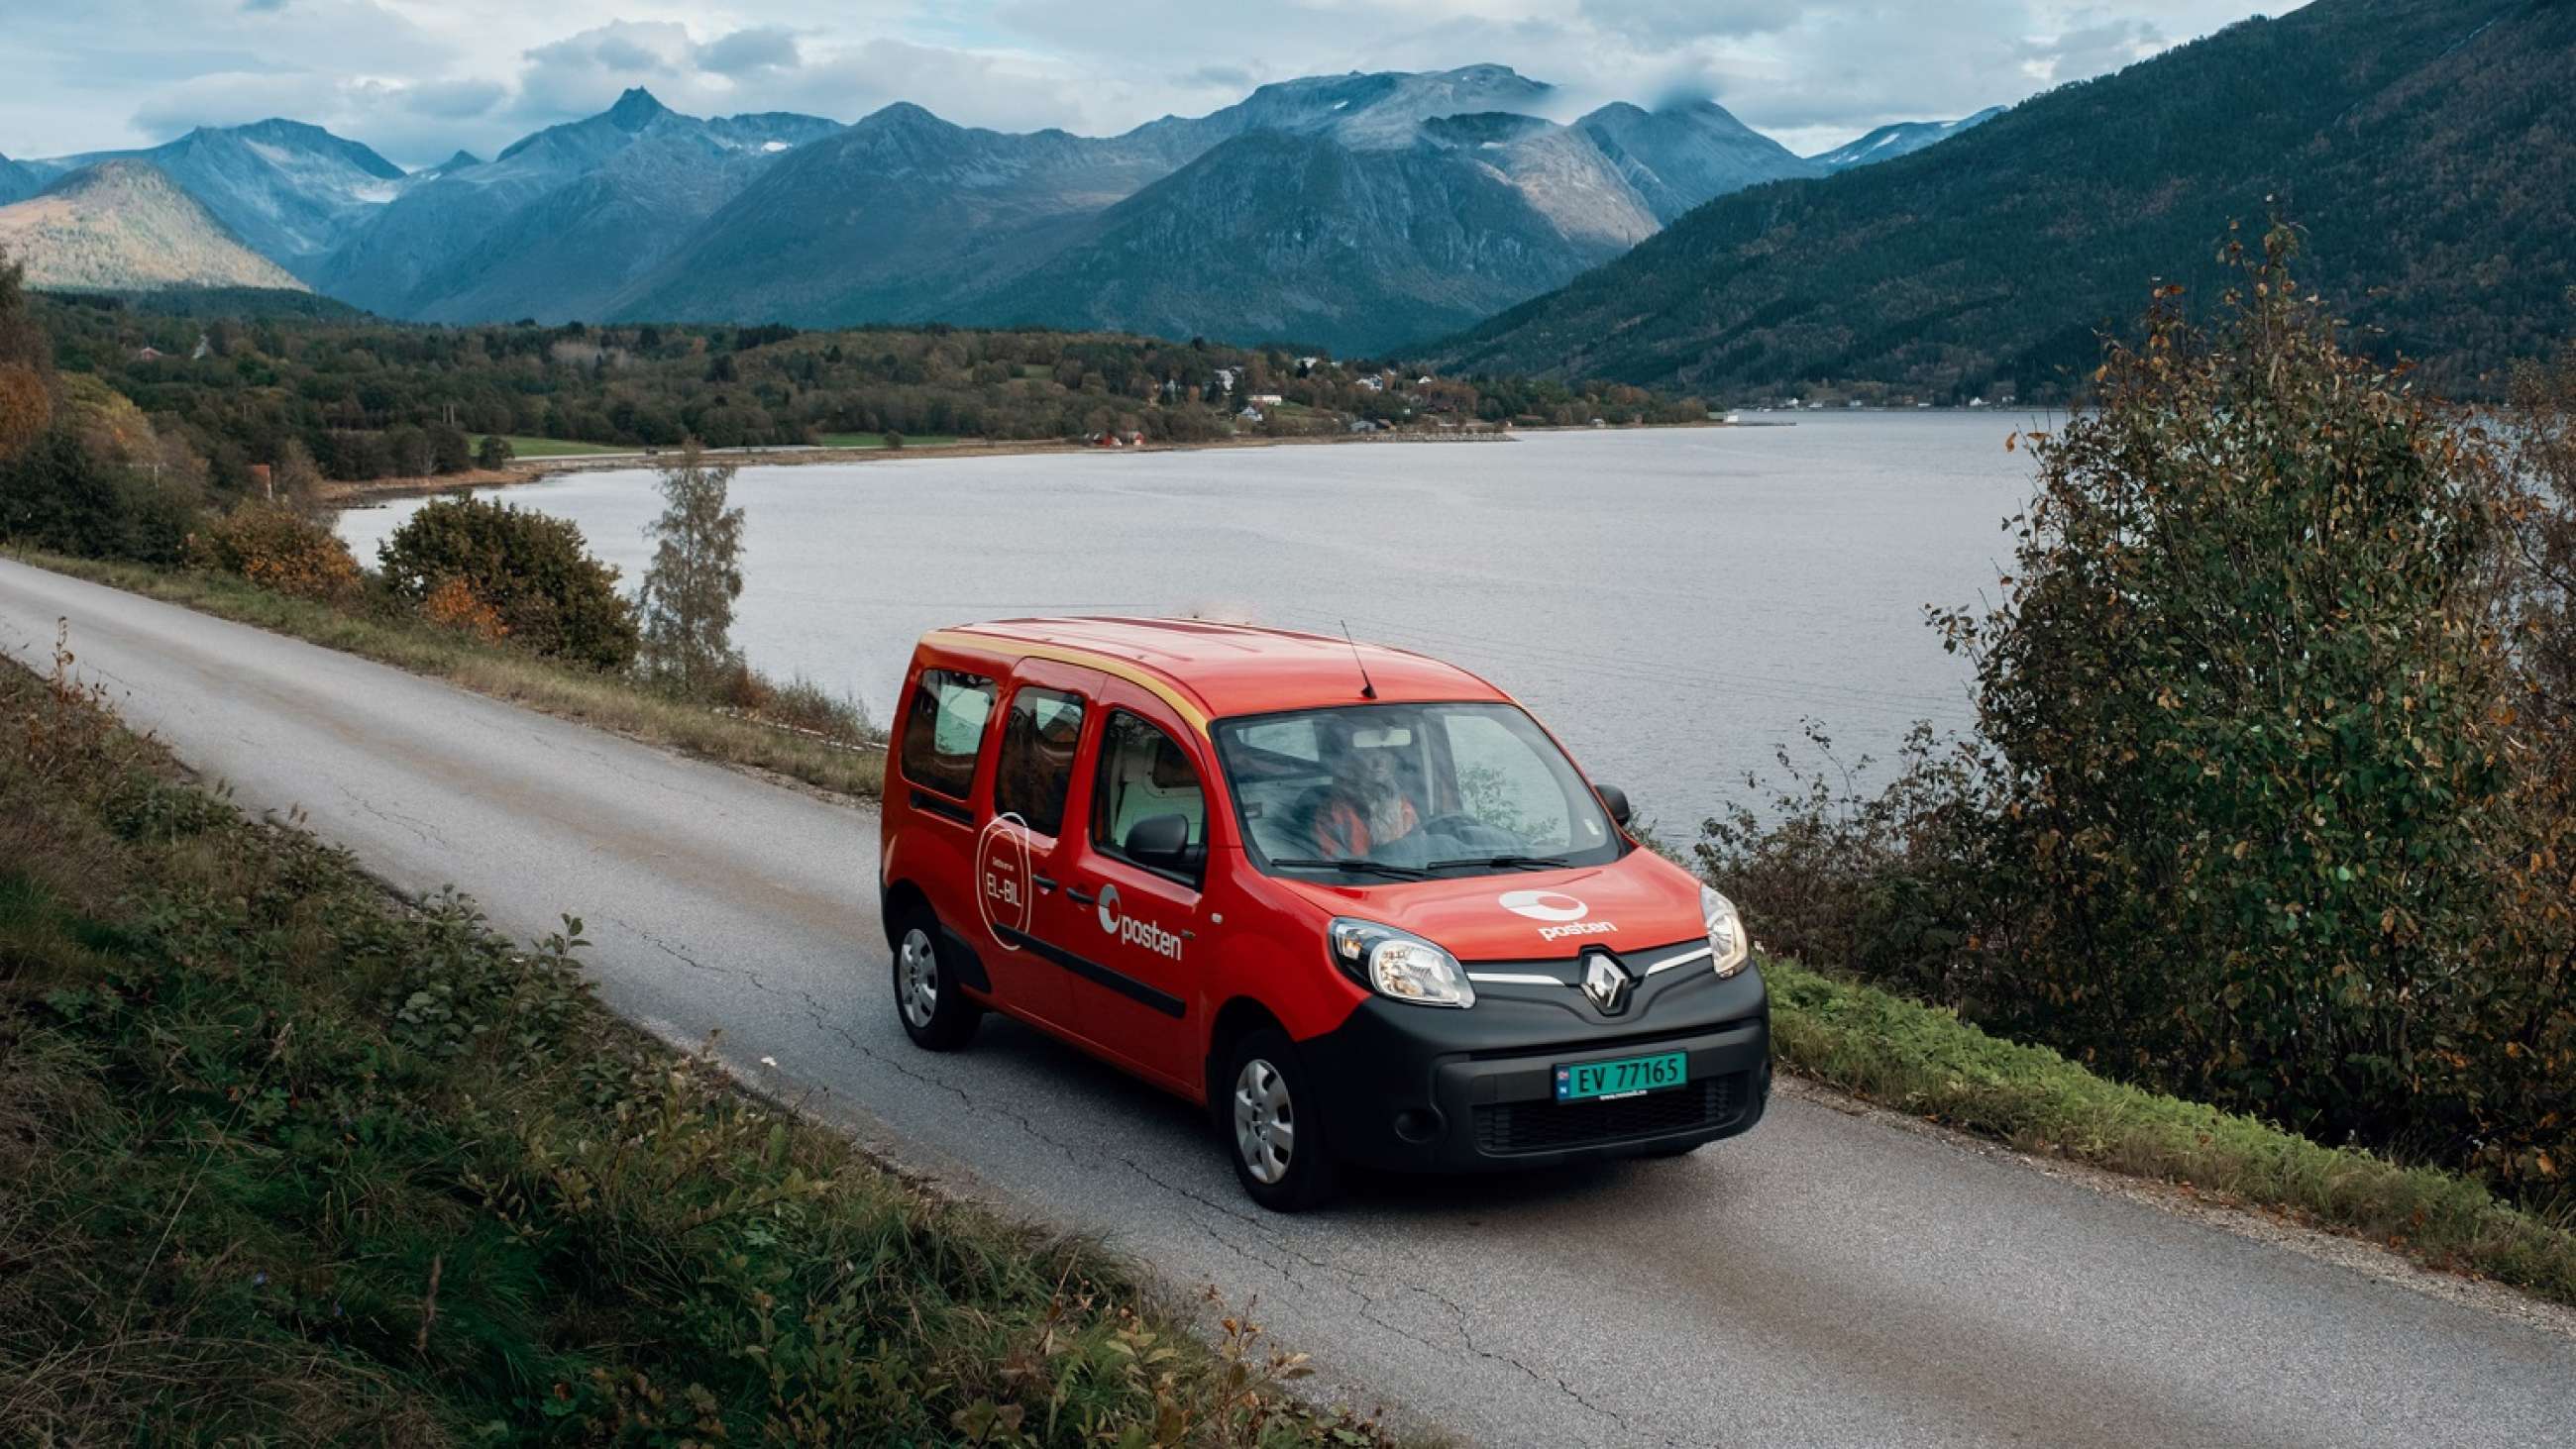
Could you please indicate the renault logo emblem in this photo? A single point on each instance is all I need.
(1605, 983)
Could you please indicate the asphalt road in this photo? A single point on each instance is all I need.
(1825, 1279)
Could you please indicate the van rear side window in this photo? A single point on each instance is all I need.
(943, 731)
(1035, 771)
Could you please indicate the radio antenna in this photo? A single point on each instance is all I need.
(1367, 690)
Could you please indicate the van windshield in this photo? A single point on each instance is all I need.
(1401, 791)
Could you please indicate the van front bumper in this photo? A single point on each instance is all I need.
(1428, 1089)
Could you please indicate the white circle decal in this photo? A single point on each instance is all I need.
(1109, 909)
(1003, 878)
(1544, 905)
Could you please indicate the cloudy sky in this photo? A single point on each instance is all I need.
(418, 79)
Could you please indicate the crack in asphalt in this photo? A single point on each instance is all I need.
(427, 833)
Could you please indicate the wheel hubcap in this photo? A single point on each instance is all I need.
(1265, 1121)
(917, 978)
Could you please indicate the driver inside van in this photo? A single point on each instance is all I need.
(1366, 807)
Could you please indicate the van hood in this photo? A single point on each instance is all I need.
(1630, 904)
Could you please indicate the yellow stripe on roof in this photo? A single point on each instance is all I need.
(1107, 664)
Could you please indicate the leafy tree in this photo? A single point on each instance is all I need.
(450, 451)
(532, 570)
(293, 480)
(493, 452)
(695, 577)
(2239, 696)
(59, 494)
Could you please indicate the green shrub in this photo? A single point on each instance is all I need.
(2246, 816)
(533, 570)
(59, 494)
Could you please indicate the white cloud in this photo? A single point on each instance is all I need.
(420, 78)
(756, 48)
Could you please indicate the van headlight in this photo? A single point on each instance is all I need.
(1397, 964)
(1727, 945)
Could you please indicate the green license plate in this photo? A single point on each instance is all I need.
(1622, 1077)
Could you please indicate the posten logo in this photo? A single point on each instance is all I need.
(1133, 931)
(1565, 912)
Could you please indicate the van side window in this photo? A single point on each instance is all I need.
(1145, 773)
(1035, 771)
(943, 730)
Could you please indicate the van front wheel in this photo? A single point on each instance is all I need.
(927, 999)
(1273, 1127)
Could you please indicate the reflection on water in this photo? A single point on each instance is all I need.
(1671, 603)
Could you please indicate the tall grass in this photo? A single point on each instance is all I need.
(288, 1163)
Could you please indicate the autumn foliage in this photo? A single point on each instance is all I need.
(453, 604)
(279, 550)
(25, 409)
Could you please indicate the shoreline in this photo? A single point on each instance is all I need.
(348, 495)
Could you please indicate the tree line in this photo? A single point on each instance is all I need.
(363, 398)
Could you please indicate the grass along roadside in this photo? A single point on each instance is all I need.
(1927, 1062)
(290, 1161)
(503, 673)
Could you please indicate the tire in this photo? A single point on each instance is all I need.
(1273, 1126)
(933, 1008)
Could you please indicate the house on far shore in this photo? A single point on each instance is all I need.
(149, 354)
(1265, 399)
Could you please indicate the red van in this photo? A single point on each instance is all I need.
(1354, 900)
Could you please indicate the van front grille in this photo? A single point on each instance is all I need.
(1505, 1128)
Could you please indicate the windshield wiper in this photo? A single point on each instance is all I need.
(1352, 866)
(1505, 862)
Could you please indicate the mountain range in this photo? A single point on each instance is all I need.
(1354, 212)
(17, 182)
(2420, 147)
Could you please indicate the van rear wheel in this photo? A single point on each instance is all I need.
(927, 999)
(1276, 1136)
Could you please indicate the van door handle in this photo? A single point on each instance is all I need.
(1045, 882)
(1077, 893)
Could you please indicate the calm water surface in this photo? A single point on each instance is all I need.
(1672, 603)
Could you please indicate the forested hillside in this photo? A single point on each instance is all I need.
(122, 224)
(2422, 145)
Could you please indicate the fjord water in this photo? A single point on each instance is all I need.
(1673, 603)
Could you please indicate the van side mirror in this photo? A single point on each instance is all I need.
(1617, 800)
(1161, 842)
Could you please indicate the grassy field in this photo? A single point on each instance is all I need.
(554, 447)
(405, 642)
(877, 440)
(292, 1162)
(1928, 1063)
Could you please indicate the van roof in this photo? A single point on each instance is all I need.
(1217, 669)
